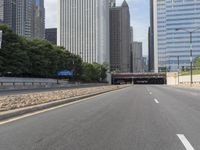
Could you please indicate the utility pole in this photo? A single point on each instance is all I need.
(191, 60)
(191, 55)
(178, 59)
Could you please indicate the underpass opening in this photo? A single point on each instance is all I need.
(140, 78)
(158, 81)
(149, 81)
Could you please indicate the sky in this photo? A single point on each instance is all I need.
(139, 11)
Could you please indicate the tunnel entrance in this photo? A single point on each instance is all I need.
(145, 78)
(149, 81)
(140, 81)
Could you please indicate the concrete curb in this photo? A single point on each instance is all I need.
(19, 112)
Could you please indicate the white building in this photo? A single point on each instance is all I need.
(83, 28)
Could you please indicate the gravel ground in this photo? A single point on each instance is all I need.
(25, 100)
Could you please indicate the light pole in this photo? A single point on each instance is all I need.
(191, 57)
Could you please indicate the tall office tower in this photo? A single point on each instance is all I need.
(131, 34)
(112, 3)
(153, 54)
(131, 49)
(120, 38)
(24, 17)
(8, 13)
(145, 64)
(51, 35)
(137, 57)
(1, 11)
(170, 15)
(83, 28)
(38, 22)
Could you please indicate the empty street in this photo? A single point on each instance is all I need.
(134, 118)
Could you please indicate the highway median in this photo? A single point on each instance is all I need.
(17, 105)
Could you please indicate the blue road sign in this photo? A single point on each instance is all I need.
(65, 73)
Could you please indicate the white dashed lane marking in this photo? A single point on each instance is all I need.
(156, 101)
(185, 142)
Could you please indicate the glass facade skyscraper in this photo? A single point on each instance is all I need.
(171, 15)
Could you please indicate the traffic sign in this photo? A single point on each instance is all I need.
(65, 73)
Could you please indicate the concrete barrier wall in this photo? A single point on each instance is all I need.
(12, 79)
(26, 83)
(172, 79)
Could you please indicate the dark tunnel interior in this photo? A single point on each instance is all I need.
(158, 81)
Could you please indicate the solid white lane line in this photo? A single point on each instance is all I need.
(156, 101)
(185, 142)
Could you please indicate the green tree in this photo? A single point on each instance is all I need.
(13, 58)
(104, 69)
(93, 72)
(197, 62)
(39, 58)
(87, 72)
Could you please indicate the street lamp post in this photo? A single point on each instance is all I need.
(191, 71)
(191, 55)
(178, 59)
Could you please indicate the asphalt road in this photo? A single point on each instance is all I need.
(135, 118)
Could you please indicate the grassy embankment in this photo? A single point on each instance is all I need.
(186, 73)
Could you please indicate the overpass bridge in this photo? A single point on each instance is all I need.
(139, 78)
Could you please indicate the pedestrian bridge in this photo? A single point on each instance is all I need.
(139, 78)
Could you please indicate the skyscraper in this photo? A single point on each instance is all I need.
(112, 3)
(120, 38)
(25, 17)
(170, 15)
(153, 51)
(38, 22)
(137, 57)
(83, 28)
(24, 10)
(8, 13)
(51, 35)
(1, 11)
(131, 49)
